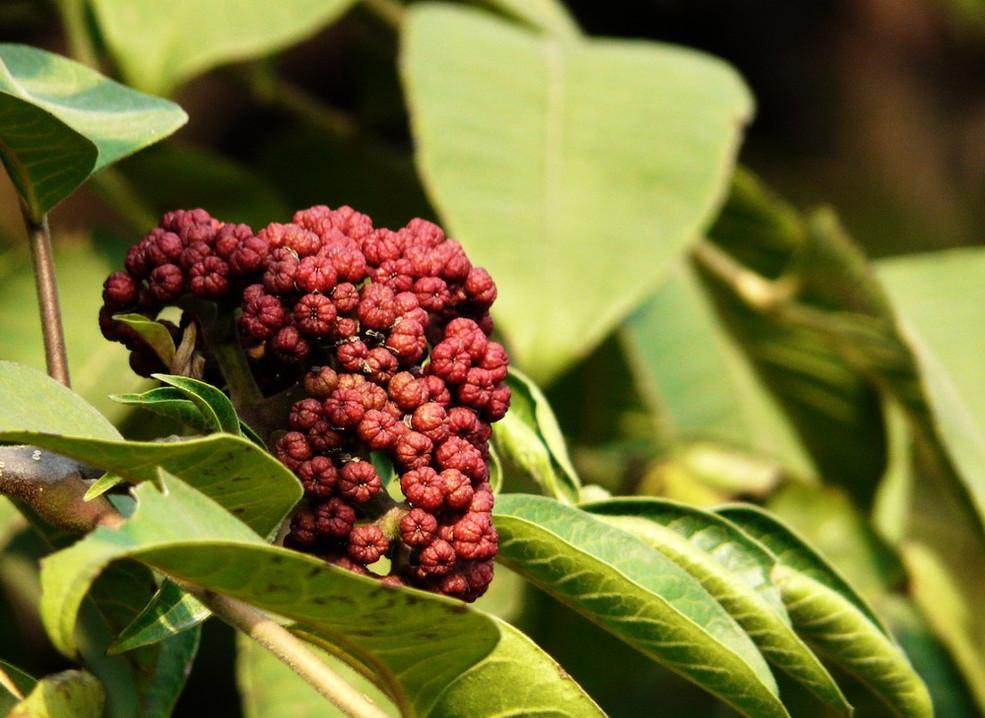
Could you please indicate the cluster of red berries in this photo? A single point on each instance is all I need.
(388, 333)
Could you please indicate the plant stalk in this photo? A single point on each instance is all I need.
(43, 261)
(291, 651)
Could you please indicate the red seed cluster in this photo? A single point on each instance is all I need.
(388, 333)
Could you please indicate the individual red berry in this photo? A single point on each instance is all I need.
(282, 266)
(413, 450)
(262, 316)
(324, 438)
(209, 279)
(318, 476)
(352, 355)
(304, 531)
(450, 360)
(477, 388)
(358, 481)
(136, 261)
(480, 288)
(335, 518)
(424, 233)
(457, 489)
(249, 256)
(457, 453)
(229, 238)
(406, 391)
(345, 296)
(377, 308)
(119, 290)
(437, 559)
(406, 341)
(293, 445)
(478, 574)
(482, 499)
(380, 365)
(367, 544)
(429, 419)
(423, 263)
(320, 382)
(471, 335)
(495, 360)
(315, 274)
(190, 224)
(288, 344)
(380, 246)
(349, 262)
(455, 265)
(314, 315)
(344, 408)
(395, 274)
(378, 430)
(305, 413)
(454, 584)
(193, 254)
(424, 488)
(474, 537)
(432, 293)
(346, 328)
(418, 528)
(162, 247)
(166, 283)
(374, 397)
(437, 390)
(498, 403)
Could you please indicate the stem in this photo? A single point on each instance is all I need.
(756, 291)
(80, 47)
(291, 651)
(272, 89)
(51, 316)
(392, 13)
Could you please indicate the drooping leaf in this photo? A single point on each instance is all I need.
(153, 332)
(160, 46)
(417, 645)
(211, 402)
(69, 694)
(98, 367)
(196, 177)
(171, 403)
(61, 121)
(170, 612)
(735, 569)
(833, 618)
(614, 157)
(548, 15)
(618, 581)
(529, 440)
(698, 384)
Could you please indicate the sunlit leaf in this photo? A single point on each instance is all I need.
(155, 334)
(70, 694)
(61, 121)
(614, 157)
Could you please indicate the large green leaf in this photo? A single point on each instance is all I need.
(418, 646)
(99, 368)
(575, 171)
(618, 581)
(698, 384)
(529, 440)
(733, 568)
(160, 45)
(70, 694)
(61, 121)
(833, 618)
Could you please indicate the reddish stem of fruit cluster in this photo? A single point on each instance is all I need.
(384, 336)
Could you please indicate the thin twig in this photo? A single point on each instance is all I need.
(273, 90)
(755, 290)
(392, 13)
(44, 278)
(291, 651)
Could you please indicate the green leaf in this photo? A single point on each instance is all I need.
(61, 121)
(160, 46)
(269, 689)
(34, 401)
(153, 332)
(735, 569)
(548, 15)
(495, 470)
(618, 581)
(98, 367)
(699, 386)
(69, 694)
(417, 644)
(170, 612)
(211, 402)
(14, 685)
(231, 470)
(614, 157)
(833, 618)
(171, 403)
(529, 440)
(200, 178)
(101, 485)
